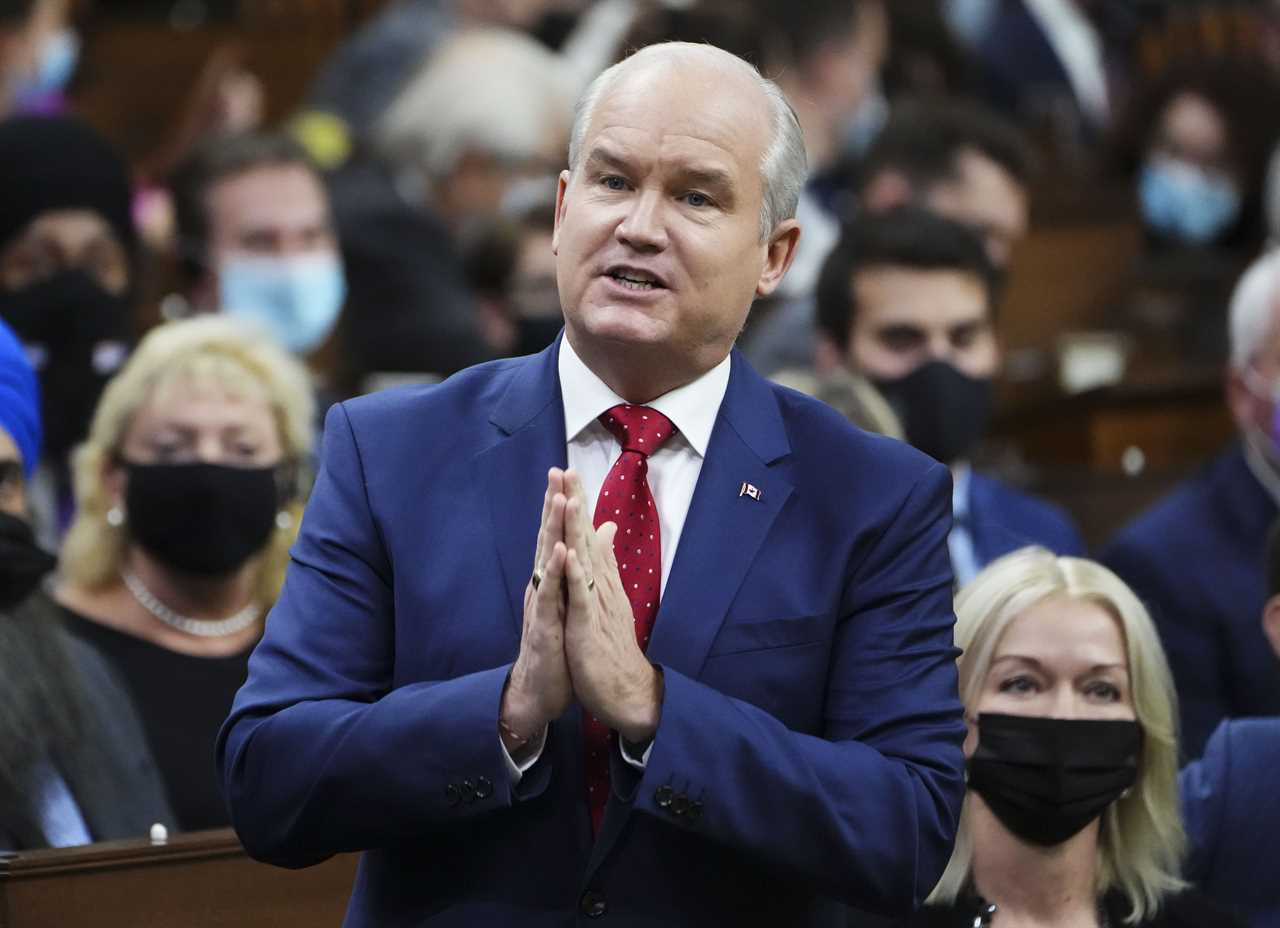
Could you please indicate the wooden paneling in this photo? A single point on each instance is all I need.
(198, 880)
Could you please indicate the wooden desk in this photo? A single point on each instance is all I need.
(196, 880)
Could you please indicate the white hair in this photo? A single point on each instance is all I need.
(1254, 305)
(493, 91)
(784, 165)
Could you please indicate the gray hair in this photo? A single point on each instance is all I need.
(784, 165)
(493, 91)
(1255, 304)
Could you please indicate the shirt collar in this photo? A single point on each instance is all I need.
(961, 477)
(692, 408)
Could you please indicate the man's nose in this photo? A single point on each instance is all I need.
(643, 227)
(940, 348)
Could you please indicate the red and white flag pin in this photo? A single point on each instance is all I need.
(754, 492)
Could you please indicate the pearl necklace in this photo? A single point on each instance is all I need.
(219, 628)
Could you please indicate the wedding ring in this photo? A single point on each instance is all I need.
(536, 578)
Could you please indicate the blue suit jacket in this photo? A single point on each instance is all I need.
(1232, 809)
(810, 714)
(1002, 519)
(1197, 560)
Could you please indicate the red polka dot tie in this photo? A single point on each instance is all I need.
(625, 499)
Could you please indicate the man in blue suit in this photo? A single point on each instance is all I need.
(749, 716)
(1196, 558)
(1230, 801)
(906, 299)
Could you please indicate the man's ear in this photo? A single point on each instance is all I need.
(561, 186)
(781, 252)
(1271, 622)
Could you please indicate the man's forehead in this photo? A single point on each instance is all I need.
(928, 299)
(688, 105)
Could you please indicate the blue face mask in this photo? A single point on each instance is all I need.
(1185, 202)
(54, 68)
(297, 299)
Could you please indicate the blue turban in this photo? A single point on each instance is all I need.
(19, 399)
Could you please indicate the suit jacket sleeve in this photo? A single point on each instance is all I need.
(1202, 785)
(322, 753)
(867, 810)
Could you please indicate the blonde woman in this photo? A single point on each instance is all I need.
(1072, 814)
(188, 491)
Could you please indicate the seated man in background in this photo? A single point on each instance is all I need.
(1196, 557)
(907, 300)
(74, 764)
(1229, 799)
(956, 159)
(257, 239)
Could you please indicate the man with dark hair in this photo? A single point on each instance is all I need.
(257, 239)
(957, 159)
(906, 299)
(1229, 800)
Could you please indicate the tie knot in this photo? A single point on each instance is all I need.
(638, 428)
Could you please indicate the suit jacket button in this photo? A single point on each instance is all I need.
(593, 904)
(452, 795)
(662, 796)
(680, 804)
(484, 787)
(468, 791)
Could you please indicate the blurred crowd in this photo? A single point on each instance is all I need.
(170, 335)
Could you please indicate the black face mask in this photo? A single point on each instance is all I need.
(1046, 779)
(22, 562)
(943, 411)
(79, 335)
(205, 519)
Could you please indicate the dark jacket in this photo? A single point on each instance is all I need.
(1231, 805)
(1197, 560)
(1002, 519)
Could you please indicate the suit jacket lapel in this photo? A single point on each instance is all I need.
(725, 526)
(513, 473)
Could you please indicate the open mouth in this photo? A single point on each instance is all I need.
(634, 279)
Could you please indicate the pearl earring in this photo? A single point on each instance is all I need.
(284, 520)
(115, 517)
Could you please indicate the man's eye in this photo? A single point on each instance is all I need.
(613, 182)
(697, 199)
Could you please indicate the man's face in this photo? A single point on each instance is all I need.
(908, 317)
(657, 228)
(272, 211)
(987, 198)
(1251, 393)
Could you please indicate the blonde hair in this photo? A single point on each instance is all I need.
(205, 349)
(1141, 843)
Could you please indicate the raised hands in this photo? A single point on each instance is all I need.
(578, 639)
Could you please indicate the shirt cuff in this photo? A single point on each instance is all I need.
(529, 756)
(638, 762)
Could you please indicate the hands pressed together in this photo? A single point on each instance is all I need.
(579, 639)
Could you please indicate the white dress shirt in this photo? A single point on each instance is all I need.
(673, 468)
